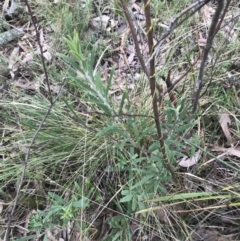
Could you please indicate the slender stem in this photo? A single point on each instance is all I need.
(210, 38)
(134, 35)
(153, 86)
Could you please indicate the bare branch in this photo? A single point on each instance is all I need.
(41, 50)
(153, 86)
(6, 238)
(176, 23)
(134, 35)
(208, 46)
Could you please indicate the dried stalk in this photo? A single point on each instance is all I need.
(153, 85)
(152, 79)
(211, 34)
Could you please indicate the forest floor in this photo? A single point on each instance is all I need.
(79, 150)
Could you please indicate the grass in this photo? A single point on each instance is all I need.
(99, 171)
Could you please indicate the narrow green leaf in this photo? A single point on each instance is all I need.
(154, 146)
(114, 129)
(68, 60)
(82, 203)
(27, 238)
(145, 132)
(124, 96)
(85, 86)
(109, 81)
(184, 127)
(56, 198)
(54, 209)
(181, 196)
(126, 199)
(125, 192)
(142, 182)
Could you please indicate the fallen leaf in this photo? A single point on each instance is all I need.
(10, 35)
(47, 55)
(100, 22)
(207, 235)
(229, 151)
(224, 121)
(188, 162)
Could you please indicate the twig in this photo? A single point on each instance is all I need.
(41, 50)
(222, 17)
(134, 35)
(6, 238)
(151, 75)
(210, 38)
(153, 86)
(180, 78)
(169, 87)
(176, 23)
(223, 45)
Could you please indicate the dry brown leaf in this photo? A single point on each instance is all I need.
(27, 85)
(100, 22)
(28, 57)
(47, 55)
(232, 151)
(5, 5)
(206, 13)
(188, 162)
(207, 235)
(224, 121)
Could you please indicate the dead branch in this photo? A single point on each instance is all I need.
(210, 38)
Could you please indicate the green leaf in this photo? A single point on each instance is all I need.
(111, 129)
(126, 199)
(27, 238)
(73, 63)
(142, 182)
(134, 204)
(181, 196)
(85, 86)
(99, 85)
(92, 57)
(153, 147)
(82, 203)
(103, 107)
(145, 132)
(184, 127)
(124, 96)
(125, 192)
(53, 210)
(109, 81)
(135, 130)
(56, 199)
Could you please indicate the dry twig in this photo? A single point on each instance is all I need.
(211, 34)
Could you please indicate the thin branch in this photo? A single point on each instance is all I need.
(6, 238)
(208, 46)
(223, 47)
(222, 17)
(41, 50)
(180, 78)
(176, 23)
(153, 86)
(134, 35)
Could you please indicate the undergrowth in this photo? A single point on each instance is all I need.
(96, 167)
